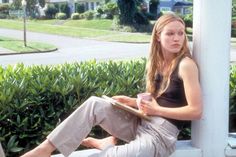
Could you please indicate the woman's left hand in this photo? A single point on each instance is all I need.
(149, 107)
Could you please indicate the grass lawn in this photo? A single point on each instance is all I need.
(90, 29)
(18, 46)
(101, 24)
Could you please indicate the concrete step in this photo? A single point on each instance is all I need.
(183, 149)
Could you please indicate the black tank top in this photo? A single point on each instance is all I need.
(174, 96)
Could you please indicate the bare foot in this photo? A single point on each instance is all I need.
(99, 143)
(43, 150)
(36, 153)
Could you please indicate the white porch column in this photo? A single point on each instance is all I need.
(211, 49)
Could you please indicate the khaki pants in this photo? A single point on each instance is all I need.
(152, 139)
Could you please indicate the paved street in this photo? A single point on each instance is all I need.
(74, 49)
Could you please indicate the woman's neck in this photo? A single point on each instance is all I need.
(165, 67)
(168, 57)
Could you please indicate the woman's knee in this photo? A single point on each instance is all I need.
(98, 102)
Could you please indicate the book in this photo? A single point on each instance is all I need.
(127, 108)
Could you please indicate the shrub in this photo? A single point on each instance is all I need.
(143, 28)
(4, 8)
(150, 16)
(106, 16)
(140, 19)
(111, 9)
(64, 8)
(96, 15)
(234, 10)
(51, 11)
(80, 8)
(232, 107)
(107, 11)
(89, 15)
(3, 16)
(61, 16)
(188, 19)
(132, 28)
(75, 16)
(117, 27)
(127, 29)
(233, 32)
(233, 23)
(100, 10)
(4, 11)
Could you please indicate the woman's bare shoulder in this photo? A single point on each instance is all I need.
(187, 65)
(187, 62)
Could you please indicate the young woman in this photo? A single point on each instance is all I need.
(172, 79)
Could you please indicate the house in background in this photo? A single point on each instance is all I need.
(182, 7)
(88, 4)
(179, 6)
(6, 1)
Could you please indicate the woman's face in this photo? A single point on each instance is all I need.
(172, 37)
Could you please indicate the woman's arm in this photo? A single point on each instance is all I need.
(188, 71)
(126, 100)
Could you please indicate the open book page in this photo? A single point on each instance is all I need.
(126, 108)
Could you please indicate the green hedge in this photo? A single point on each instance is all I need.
(4, 10)
(233, 32)
(34, 99)
(232, 102)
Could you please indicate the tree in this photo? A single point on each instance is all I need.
(153, 6)
(30, 7)
(127, 10)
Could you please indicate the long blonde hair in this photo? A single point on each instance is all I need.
(156, 58)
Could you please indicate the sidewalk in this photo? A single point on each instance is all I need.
(4, 51)
(71, 49)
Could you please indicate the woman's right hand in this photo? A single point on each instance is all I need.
(125, 100)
